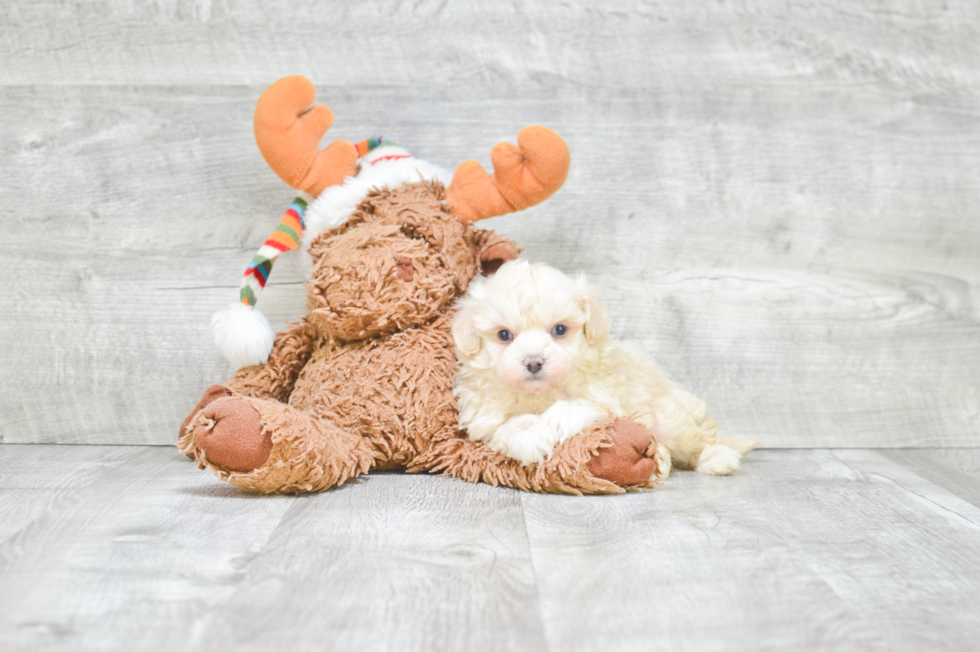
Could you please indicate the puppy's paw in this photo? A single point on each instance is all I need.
(718, 459)
(663, 463)
(569, 418)
(526, 438)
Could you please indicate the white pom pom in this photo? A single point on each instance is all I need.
(242, 334)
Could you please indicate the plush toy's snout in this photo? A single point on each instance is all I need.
(399, 260)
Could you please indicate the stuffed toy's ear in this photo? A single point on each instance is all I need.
(496, 255)
(466, 333)
(493, 250)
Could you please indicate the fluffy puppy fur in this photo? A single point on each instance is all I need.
(536, 366)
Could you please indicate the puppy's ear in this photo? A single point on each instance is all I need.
(596, 317)
(597, 326)
(465, 334)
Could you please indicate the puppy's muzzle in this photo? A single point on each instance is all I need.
(534, 364)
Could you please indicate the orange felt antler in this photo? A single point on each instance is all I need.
(288, 135)
(523, 175)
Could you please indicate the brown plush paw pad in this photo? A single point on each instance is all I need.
(624, 463)
(233, 438)
(211, 394)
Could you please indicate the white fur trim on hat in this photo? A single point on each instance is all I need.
(335, 204)
(243, 335)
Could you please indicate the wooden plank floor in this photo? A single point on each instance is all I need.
(107, 547)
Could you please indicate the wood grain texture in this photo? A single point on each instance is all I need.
(128, 559)
(954, 469)
(35, 480)
(392, 562)
(622, 44)
(778, 202)
(155, 554)
(802, 550)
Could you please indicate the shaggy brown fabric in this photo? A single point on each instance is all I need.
(356, 292)
(365, 380)
(275, 379)
(566, 471)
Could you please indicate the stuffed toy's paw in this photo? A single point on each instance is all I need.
(230, 435)
(211, 394)
(627, 462)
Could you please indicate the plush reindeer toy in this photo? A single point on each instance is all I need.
(364, 381)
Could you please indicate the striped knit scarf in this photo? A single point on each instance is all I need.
(286, 237)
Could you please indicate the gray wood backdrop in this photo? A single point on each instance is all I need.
(779, 200)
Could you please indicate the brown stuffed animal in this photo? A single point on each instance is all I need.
(365, 380)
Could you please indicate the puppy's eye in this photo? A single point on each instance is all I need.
(559, 330)
(504, 335)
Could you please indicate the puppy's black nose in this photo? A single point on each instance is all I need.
(534, 364)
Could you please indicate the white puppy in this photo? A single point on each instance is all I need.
(536, 367)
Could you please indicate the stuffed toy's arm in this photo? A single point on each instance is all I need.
(275, 379)
(607, 457)
(272, 380)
